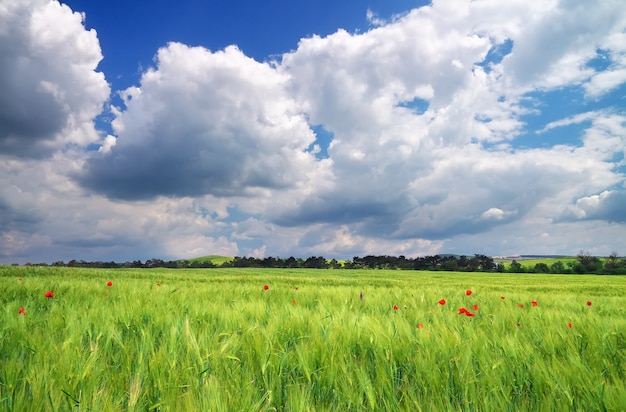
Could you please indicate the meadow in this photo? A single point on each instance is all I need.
(298, 340)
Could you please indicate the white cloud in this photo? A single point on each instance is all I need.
(608, 206)
(201, 123)
(51, 91)
(214, 152)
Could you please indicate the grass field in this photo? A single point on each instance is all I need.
(218, 340)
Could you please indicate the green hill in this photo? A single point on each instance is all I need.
(215, 259)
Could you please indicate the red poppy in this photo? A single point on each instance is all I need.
(468, 292)
(502, 297)
(569, 325)
(462, 311)
(109, 283)
(588, 303)
(20, 279)
(420, 326)
(534, 303)
(21, 312)
(517, 324)
(293, 302)
(475, 307)
(49, 294)
(266, 287)
(521, 305)
(395, 307)
(468, 313)
(442, 302)
(297, 288)
(158, 284)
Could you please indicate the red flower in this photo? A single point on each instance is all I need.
(293, 302)
(462, 311)
(534, 303)
(158, 284)
(502, 297)
(420, 326)
(588, 303)
(468, 313)
(521, 305)
(569, 325)
(395, 307)
(20, 279)
(266, 287)
(517, 324)
(442, 302)
(468, 292)
(475, 307)
(21, 312)
(109, 283)
(297, 288)
(49, 294)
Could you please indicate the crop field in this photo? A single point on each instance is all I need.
(76, 339)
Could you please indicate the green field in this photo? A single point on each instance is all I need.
(215, 340)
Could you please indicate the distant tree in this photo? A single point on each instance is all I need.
(515, 267)
(557, 267)
(541, 268)
(612, 262)
(587, 263)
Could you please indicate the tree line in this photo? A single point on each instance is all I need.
(585, 263)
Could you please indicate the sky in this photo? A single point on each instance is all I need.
(171, 130)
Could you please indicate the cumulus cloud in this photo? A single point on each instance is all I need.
(609, 206)
(434, 173)
(214, 152)
(220, 123)
(51, 90)
(204, 122)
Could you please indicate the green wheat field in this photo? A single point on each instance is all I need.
(309, 340)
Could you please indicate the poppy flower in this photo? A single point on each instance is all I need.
(158, 284)
(588, 303)
(468, 292)
(49, 294)
(475, 307)
(297, 288)
(395, 307)
(109, 283)
(442, 302)
(266, 287)
(361, 295)
(569, 325)
(293, 302)
(534, 303)
(517, 324)
(468, 313)
(502, 297)
(521, 305)
(21, 312)
(462, 311)
(20, 279)
(420, 326)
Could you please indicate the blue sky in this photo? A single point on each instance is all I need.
(132, 131)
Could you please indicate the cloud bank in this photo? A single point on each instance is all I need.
(439, 137)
